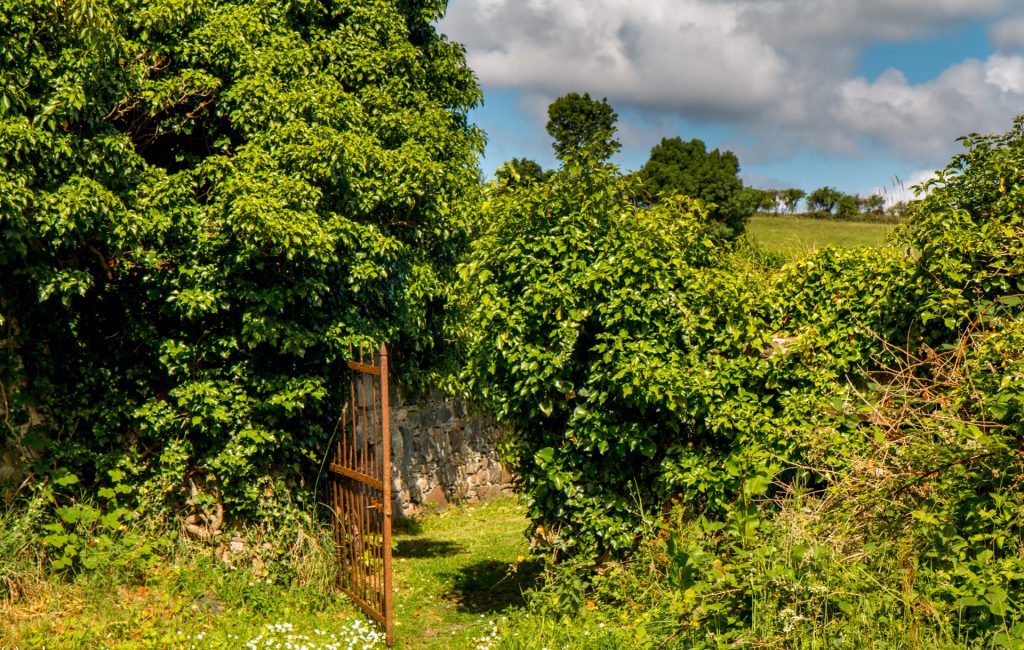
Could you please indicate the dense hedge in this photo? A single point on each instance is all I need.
(639, 364)
(202, 204)
(636, 364)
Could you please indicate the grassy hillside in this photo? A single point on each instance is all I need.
(786, 233)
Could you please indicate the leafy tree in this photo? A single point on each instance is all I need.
(823, 199)
(767, 200)
(580, 124)
(634, 364)
(874, 204)
(848, 206)
(791, 197)
(899, 209)
(967, 231)
(688, 168)
(520, 171)
(203, 204)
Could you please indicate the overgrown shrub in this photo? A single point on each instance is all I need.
(202, 204)
(637, 362)
(822, 455)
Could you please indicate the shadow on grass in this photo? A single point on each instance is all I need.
(423, 548)
(406, 525)
(490, 586)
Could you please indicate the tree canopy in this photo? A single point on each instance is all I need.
(580, 124)
(519, 171)
(711, 176)
(823, 199)
(791, 197)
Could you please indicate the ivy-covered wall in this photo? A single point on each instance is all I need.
(202, 206)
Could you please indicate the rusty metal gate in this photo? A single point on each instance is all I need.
(359, 489)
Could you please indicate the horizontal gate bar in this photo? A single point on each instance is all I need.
(362, 367)
(370, 609)
(358, 476)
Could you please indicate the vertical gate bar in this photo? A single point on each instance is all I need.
(342, 489)
(347, 531)
(389, 612)
(363, 577)
(379, 467)
(367, 545)
(336, 523)
(351, 460)
(342, 456)
(341, 536)
(363, 527)
(378, 514)
(371, 458)
(345, 502)
(343, 524)
(346, 522)
(374, 385)
(368, 542)
(357, 406)
(366, 426)
(353, 501)
(351, 405)
(350, 541)
(352, 496)
(357, 388)
(377, 582)
(378, 531)
(355, 523)
(357, 588)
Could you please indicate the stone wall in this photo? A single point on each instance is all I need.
(443, 451)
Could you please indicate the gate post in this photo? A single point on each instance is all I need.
(389, 591)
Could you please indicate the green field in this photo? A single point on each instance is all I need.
(788, 233)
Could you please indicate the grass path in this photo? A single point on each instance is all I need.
(457, 572)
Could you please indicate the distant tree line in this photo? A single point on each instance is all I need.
(584, 128)
(828, 202)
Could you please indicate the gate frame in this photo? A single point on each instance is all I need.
(351, 479)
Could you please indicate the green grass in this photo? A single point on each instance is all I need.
(194, 602)
(458, 573)
(789, 233)
(182, 597)
(461, 578)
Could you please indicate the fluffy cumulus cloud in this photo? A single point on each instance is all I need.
(919, 121)
(782, 69)
(655, 56)
(1008, 34)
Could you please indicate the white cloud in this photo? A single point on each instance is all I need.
(902, 188)
(780, 70)
(1008, 34)
(1006, 73)
(664, 54)
(921, 120)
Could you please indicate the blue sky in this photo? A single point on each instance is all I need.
(862, 95)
